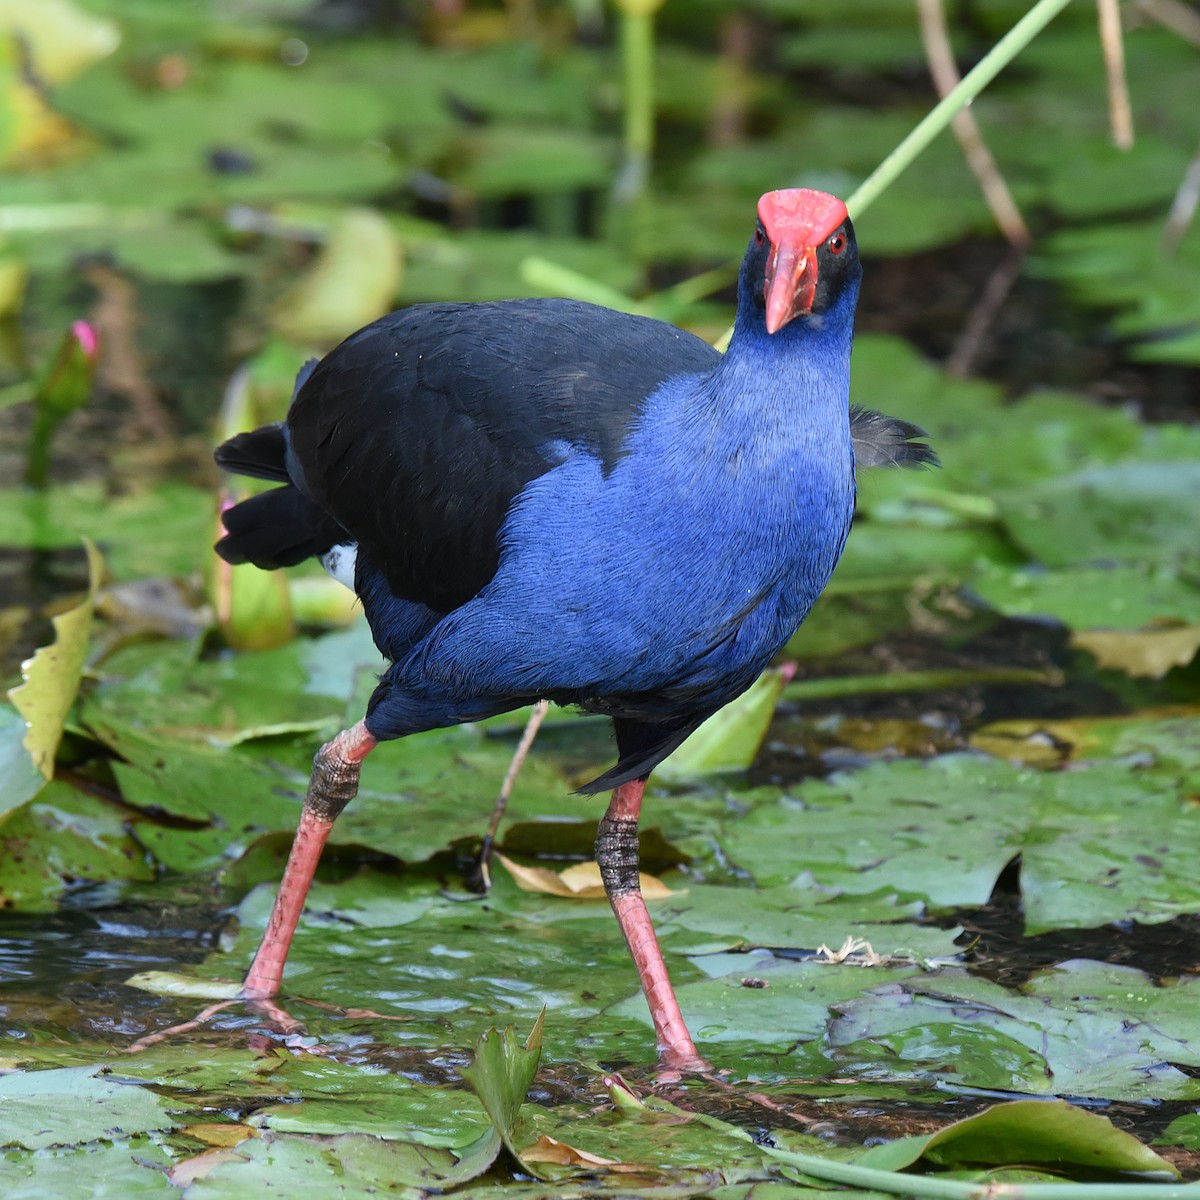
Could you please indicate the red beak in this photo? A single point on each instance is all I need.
(797, 221)
(791, 283)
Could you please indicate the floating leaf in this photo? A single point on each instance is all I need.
(71, 1106)
(1046, 1133)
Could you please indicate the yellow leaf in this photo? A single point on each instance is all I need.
(1146, 653)
(63, 39)
(52, 675)
(218, 1134)
(353, 279)
(551, 1150)
(578, 882)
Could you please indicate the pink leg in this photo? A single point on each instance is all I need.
(333, 785)
(617, 857)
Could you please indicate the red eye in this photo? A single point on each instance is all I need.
(759, 235)
(836, 244)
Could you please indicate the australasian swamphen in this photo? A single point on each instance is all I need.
(547, 499)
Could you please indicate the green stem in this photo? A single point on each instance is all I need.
(915, 681)
(925, 1188)
(637, 54)
(1004, 51)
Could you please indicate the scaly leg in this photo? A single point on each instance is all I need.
(617, 857)
(333, 785)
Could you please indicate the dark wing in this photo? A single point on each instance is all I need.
(418, 431)
(881, 441)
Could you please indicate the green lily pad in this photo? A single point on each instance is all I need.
(1097, 845)
(1135, 511)
(72, 1106)
(60, 838)
(1025, 1132)
(1079, 1029)
(1112, 597)
(167, 531)
(351, 1166)
(120, 1169)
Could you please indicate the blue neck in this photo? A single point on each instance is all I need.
(808, 359)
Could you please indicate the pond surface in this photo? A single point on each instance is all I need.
(956, 870)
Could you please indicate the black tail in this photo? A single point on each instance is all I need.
(881, 441)
(641, 746)
(279, 528)
(261, 454)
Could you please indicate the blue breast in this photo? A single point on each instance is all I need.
(689, 564)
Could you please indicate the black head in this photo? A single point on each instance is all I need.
(802, 257)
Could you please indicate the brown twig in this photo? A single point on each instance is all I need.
(1183, 207)
(1120, 115)
(1181, 19)
(982, 315)
(939, 54)
(483, 879)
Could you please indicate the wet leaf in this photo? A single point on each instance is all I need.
(169, 983)
(792, 1007)
(1085, 598)
(106, 1170)
(74, 1105)
(1047, 1133)
(1096, 845)
(334, 1098)
(351, 1166)
(60, 838)
(1135, 511)
(52, 675)
(1078, 1029)
(20, 780)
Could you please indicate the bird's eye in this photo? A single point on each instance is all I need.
(760, 235)
(836, 244)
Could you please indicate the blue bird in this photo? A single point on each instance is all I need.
(544, 499)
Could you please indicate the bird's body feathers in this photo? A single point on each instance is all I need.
(546, 499)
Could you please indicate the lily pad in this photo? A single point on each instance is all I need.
(74, 1105)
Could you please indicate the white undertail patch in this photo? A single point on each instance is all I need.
(339, 562)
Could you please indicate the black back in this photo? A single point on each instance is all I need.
(418, 431)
